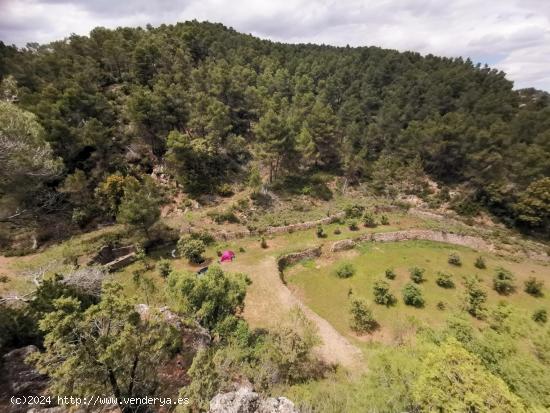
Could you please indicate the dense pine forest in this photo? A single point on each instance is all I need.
(209, 105)
(198, 214)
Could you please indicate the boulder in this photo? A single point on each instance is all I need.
(17, 378)
(345, 244)
(245, 400)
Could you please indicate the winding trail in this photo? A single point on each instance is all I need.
(335, 348)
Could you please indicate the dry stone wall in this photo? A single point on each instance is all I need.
(415, 234)
(225, 236)
(288, 259)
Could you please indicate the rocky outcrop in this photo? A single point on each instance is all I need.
(246, 401)
(18, 378)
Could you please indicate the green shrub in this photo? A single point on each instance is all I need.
(480, 263)
(362, 319)
(204, 236)
(164, 267)
(344, 270)
(369, 220)
(441, 305)
(384, 220)
(221, 217)
(503, 281)
(192, 249)
(466, 207)
(225, 190)
(454, 259)
(263, 243)
(417, 274)
(337, 231)
(382, 294)
(390, 274)
(412, 295)
(320, 232)
(352, 225)
(540, 316)
(534, 286)
(354, 211)
(241, 249)
(475, 297)
(445, 280)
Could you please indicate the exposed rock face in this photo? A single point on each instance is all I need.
(246, 401)
(17, 378)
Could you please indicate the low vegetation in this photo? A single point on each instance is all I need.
(345, 270)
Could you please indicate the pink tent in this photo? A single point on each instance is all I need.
(227, 256)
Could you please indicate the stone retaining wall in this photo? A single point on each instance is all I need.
(288, 259)
(416, 234)
(225, 236)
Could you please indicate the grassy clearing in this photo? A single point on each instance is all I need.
(328, 295)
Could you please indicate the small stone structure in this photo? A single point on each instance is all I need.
(114, 258)
(245, 400)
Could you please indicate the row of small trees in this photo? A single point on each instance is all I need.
(474, 299)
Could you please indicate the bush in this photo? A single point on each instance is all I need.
(382, 294)
(445, 280)
(390, 274)
(417, 274)
(263, 243)
(384, 220)
(345, 270)
(241, 249)
(480, 263)
(540, 316)
(412, 295)
(369, 220)
(441, 305)
(503, 281)
(204, 236)
(534, 287)
(454, 259)
(352, 225)
(362, 319)
(354, 211)
(225, 190)
(223, 216)
(337, 231)
(475, 298)
(320, 232)
(192, 249)
(165, 268)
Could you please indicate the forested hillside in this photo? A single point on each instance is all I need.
(187, 211)
(211, 104)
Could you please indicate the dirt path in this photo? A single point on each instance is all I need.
(269, 299)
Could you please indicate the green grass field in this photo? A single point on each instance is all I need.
(315, 283)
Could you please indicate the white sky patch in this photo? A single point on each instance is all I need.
(512, 35)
